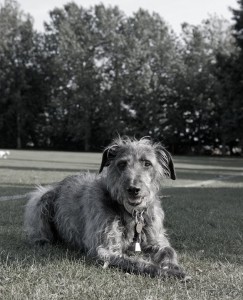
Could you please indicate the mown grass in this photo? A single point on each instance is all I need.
(204, 224)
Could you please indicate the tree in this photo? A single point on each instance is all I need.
(95, 72)
(238, 26)
(110, 61)
(229, 70)
(18, 76)
(74, 35)
(149, 67)
(237, 75)
(197, 100)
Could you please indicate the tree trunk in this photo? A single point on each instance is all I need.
(87, 130)
(223, 146)
(87, 138)
(19, 142)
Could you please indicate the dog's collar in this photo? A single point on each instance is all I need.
(138, 213)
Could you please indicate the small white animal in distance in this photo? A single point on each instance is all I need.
(4, 154)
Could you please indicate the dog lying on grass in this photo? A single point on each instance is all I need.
(113, 214)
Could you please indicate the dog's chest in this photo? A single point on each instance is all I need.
(133, 232)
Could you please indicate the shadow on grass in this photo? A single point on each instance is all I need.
(95, 169)
(205, 222)
(9, 189)
(51, 161)
(186, 173)
(211, 161)
(14, 248)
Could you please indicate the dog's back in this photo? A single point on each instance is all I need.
(65, 209)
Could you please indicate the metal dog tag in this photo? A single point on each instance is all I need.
(139, 227)
(137, 247)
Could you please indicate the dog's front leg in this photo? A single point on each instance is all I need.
(161, 255)
(111, 252)
(135, 265)
(158, 248)
(165, 257)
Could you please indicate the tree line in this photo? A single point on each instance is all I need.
(94, 73)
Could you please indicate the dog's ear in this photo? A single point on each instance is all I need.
(108, 155)
(165, 160)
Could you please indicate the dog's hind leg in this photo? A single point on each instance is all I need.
(39, 213)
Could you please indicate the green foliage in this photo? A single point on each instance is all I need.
(229, 71)
(238, 26)
(199, 103)
(19, 76)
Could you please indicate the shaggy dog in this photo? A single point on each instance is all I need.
(112, 216)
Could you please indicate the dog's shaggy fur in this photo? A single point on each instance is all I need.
(97, 213)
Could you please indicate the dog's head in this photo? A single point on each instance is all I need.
(135, 169)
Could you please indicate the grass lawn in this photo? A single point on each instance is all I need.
(204, 218)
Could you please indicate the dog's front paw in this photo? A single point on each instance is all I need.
(173, 270)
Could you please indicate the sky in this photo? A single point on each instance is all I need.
(174, 12)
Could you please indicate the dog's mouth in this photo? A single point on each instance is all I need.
(135, 201)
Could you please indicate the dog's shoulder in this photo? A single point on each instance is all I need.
(154, 213)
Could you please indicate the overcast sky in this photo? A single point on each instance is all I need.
(174, 12)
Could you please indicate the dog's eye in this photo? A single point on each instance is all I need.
(122, 165)
(147, 163)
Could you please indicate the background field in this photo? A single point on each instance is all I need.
(203, 208)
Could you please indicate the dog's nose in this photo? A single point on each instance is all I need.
(133, 191)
